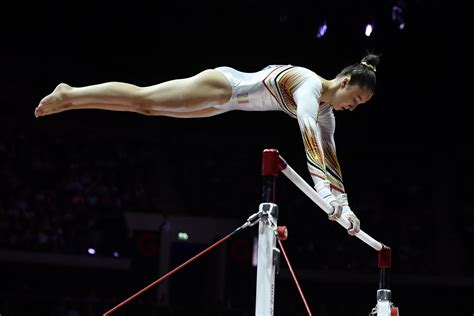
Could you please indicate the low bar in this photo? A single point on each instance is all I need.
(314, 196)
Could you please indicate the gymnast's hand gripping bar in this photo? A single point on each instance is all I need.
(273, 163)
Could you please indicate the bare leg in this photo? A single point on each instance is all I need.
(202, 91)
(207, 112)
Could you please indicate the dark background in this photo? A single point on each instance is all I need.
(405, 155)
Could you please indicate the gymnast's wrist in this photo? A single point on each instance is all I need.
(324, 190)
(342, 199)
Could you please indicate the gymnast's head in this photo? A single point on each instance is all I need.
(356, 84)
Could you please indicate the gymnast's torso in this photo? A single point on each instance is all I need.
(270, 89)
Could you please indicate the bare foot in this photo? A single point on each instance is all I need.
(54, 102)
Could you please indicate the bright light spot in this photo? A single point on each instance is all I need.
(368, 29)
(183, 236)
(322, 30)
(91, 251)
(116, 254)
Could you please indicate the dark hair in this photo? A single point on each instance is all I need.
(363, 73)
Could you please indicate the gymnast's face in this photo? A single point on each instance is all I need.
(348, 97)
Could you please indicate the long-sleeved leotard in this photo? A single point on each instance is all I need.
(295, 91)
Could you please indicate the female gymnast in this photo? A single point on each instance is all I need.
(297, 91)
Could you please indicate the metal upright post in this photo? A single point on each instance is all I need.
(268, 254)
(384, 305)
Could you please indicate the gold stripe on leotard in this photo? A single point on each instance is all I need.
(281, 83)
(333, 169)
(314, 153)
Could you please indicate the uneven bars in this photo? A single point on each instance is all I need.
(283, 166)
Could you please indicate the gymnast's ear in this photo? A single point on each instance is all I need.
(345, 81)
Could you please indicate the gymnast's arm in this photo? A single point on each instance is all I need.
(327, 125)
(307, 97)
